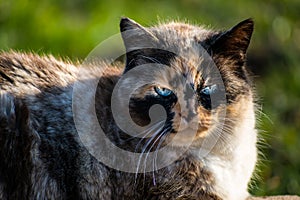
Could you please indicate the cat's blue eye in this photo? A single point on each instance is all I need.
(163, 91)
(209, 90)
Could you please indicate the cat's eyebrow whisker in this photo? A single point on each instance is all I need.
(131, 61)
(151, 59)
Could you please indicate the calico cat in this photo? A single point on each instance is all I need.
(209, 121)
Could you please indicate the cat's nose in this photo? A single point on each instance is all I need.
(190, 117)
(192, 120)
(194, 125)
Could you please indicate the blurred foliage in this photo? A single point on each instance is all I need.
(72, 28)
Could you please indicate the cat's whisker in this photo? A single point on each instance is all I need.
(156, 154)
(147, 130)
(159, 144)
(143, 151)
(150, 130)
(159, 135)
(147, 154)
(220, 130)
(261, 114)
(224, 131)
(145, 161)
(151, 59)
(131, 61)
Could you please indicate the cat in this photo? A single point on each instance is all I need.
(43, 155)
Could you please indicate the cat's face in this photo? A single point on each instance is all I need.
(197, 76)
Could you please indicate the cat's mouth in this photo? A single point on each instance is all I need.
(188, 135)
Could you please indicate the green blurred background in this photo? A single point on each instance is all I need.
(72, 28)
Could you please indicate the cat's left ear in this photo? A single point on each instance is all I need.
(234, 42)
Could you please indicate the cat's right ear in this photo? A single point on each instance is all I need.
(137, 40)
(129, 24)
(135, 36)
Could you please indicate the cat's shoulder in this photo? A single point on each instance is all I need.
(13, 60)
(32, 71)
(19, 69)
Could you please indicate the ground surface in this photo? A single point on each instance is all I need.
(275, 198)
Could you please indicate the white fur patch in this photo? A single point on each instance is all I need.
(233, 167)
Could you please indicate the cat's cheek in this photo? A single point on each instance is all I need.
(236, 110)
(205, 119)
(177, 116)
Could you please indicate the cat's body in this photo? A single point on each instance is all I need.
(42, 156)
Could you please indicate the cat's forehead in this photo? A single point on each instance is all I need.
(178, 30)
(184, 41)
(178, 75)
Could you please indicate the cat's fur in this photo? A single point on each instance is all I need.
(42, 156)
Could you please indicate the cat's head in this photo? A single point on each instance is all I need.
(198, 76)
